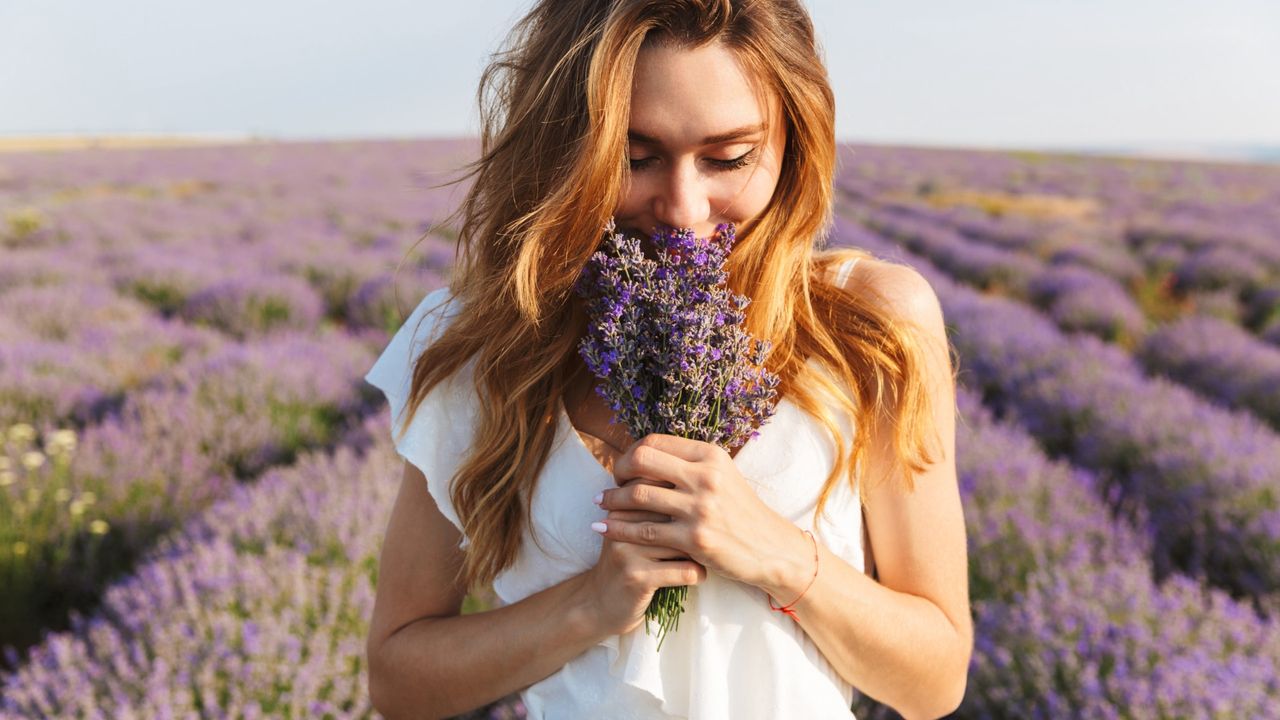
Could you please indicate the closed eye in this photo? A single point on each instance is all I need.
(737, 163)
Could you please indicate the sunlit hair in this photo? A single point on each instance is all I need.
(555, 108)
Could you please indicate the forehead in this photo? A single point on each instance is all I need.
(681, 95)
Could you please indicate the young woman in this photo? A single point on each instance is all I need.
(687, 114)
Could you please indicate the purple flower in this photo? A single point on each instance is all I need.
(665, 339)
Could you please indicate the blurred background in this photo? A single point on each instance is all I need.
(214, 218)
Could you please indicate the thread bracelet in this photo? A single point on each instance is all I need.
(787, 608)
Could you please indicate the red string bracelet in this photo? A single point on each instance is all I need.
(787, 608)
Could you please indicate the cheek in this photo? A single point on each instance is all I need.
(635, 197)
(747, 199)
(734, 198)
(630, 201)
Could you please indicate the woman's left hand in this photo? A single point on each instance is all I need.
(716, 517)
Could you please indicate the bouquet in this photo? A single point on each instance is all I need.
(664, 337)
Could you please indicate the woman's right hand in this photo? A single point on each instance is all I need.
(624, 579)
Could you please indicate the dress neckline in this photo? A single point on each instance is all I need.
(581, 445)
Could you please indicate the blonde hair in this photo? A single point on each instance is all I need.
(555, 106)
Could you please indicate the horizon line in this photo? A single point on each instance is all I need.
(1261, 152)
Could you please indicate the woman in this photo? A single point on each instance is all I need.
(724, 112)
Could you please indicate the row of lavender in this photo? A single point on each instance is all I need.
(1204, 479)
(145, 366)
(1203, 264)
(1213, 356)
(131, 254)
(75, 511)
(1179, 234)
(1165, 213)
(1012, 250)
(259, 607)
(256, 608)
(1066, 603)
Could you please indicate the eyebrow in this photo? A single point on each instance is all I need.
(716, 139)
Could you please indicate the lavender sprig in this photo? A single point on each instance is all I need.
(665, 339)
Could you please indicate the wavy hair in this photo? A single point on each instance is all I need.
(555, 106)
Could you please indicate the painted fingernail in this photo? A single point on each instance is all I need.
(599, 527)
(599, 498)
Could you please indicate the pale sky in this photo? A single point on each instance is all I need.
(995, 73)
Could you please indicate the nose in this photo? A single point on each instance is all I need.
(682, 202)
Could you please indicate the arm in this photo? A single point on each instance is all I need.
(907, 639)
(426, 660)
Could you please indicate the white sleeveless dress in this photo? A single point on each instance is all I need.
(732, 657)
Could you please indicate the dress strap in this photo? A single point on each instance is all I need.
(843, 276)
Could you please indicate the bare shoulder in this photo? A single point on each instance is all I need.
(900, 289)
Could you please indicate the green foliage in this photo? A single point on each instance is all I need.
(165, 297)
(54, 542)
(21, 226)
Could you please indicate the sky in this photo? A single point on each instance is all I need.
(990, 73)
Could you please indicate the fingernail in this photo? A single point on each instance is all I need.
(599, 498)
(599, 527)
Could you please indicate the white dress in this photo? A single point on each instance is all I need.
(732, 657)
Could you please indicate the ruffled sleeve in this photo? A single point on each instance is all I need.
(438, 438)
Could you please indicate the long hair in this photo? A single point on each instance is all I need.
(555, 107)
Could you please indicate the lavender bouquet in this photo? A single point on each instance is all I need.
(665, 340)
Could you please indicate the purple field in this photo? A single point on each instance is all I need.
(194, 478)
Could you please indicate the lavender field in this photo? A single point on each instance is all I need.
(194, 478)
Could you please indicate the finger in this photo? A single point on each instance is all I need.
(686, 449)
(652, 552)
(678, 573)
(656, 553)
(645, 532)
(646, 461)
(638, 515)
(663, 554)
(647, 496)
(660, 553)
(648, 481)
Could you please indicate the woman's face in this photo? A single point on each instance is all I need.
(698, 157)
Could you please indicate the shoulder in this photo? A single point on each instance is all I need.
(438, 303)
(429, 319)
(900, 290)
(393, 369)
